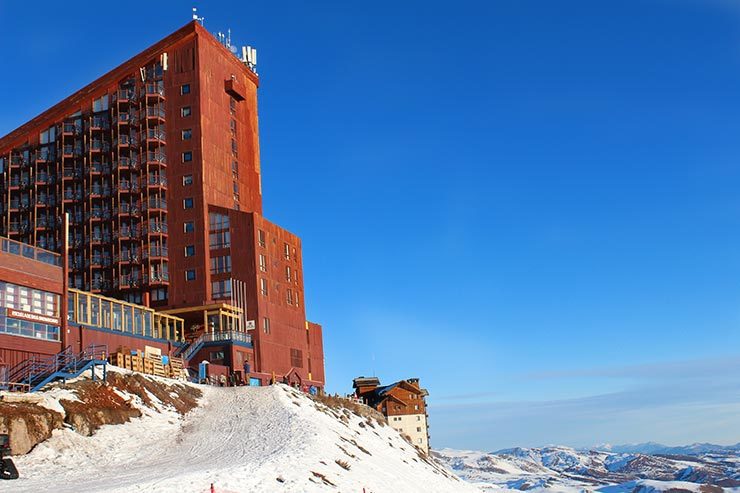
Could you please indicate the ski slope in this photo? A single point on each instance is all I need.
(240, 439)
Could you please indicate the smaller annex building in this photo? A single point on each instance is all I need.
(40, 317)
(403, 403)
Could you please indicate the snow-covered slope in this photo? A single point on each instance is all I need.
(566, 469)
(242, 440)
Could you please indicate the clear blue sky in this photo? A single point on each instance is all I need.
(533, 206)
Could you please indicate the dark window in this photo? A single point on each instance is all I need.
(187, 203)
(221, 289)
(185, 89)
(185, 111)
(190, 250)
(189, 226)
(220, 265)
(187, 156)
(187, 134)
(190, 275)
(187, 180)
(217, 355)
(296, 358)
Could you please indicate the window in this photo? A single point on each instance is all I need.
(236, 189)
(220, 236)
(287, 273)
(261, 238)
(189, 226)
(218, 221)
(185, 89)
(263, 263)
(220, 239)
(287, 252)
(187, 134)
(190, 275)
(289, 296)
(263, 286)
(296, 358)
(232, 105)
(418, 428)
(185, 111)
(418, 418)
(234, 168)
(234, 148)
(216, 355)
(187, 156)
(187, 180)
(187, 203)
(190, 251)
(221, 264)
(159, 294)
(266, 325)
(232, 124)
(221, 289)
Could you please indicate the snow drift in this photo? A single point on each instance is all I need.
(238, 439)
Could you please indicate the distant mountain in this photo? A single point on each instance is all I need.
(657, 448)
(678, 469)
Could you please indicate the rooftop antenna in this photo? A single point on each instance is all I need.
(196, 18)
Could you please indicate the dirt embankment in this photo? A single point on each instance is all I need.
(98, 404)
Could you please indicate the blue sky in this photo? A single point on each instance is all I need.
(533, 206)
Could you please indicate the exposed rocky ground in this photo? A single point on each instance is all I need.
(85, 405)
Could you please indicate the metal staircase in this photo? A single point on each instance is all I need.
(34, 373)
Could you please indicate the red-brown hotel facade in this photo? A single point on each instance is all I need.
(156, 165)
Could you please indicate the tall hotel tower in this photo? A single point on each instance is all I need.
(156, 164)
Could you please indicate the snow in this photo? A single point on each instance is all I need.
(240, 439)
(562, 469)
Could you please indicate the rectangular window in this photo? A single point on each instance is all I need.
(234, 168)
(220, 239)
(232, 105)
(187, 203)
(217, 222)
(189, 226)
(287, 273)
(190, 275)
(190, 251)
(263, 286)
(296, 358)
(185, 111)
(187, 134)
(263, 263)
(232, 124)
(187, 156)
(217, 355)
(287, 251)
(221, 289)
(220, 265)
(187, 180)
(289, 296)
(234, 148)
(266, 325)
(261, 238)
(185, 89)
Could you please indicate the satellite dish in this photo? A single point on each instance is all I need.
(233, 49)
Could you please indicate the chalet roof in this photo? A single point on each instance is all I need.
(365, 382)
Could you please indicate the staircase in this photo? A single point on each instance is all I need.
(188, 351)
(34, 373)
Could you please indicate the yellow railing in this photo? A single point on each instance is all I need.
(120, 316)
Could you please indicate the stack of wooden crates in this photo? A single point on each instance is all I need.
(150, 361)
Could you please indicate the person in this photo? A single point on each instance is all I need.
(222, 380)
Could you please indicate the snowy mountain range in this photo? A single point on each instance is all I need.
(700, 468)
